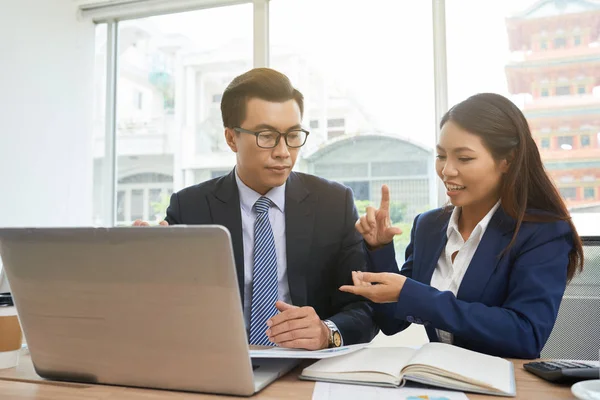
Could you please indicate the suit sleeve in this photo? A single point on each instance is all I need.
(520, 327)
(173, 211)
(384, 260)
(355, 316)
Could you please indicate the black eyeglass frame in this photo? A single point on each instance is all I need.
(285, 136)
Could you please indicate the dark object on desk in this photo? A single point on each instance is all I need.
(6, 300)
(562, 371)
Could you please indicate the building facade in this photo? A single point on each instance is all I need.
(555, 70)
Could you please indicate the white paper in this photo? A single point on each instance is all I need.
(279, 352)
(336, 391)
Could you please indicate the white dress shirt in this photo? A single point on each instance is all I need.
(277, 219)
(448, 275)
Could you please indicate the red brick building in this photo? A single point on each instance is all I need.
(555, 46)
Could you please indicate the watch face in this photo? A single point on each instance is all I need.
(337, 339)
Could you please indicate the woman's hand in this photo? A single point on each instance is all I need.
(387, 286)
(375, 226)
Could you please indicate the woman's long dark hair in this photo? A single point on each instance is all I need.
(526, 186)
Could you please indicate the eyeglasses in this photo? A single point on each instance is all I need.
(269, 138)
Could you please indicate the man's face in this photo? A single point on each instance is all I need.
(262, 169)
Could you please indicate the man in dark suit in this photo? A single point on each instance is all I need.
(293, 234)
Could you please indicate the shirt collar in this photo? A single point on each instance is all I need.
(479, 228)
(248, 196)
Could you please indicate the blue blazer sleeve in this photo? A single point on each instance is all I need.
(534, 276)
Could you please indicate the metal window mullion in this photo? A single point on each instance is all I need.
(101, 13)
(261, 33)
(110, 140)
(440, 76)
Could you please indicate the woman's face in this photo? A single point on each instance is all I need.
(471, 175)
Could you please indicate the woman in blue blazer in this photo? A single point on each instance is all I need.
(488, 272)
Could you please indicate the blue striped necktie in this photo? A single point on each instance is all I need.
(264, 275)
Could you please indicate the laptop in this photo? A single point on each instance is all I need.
(153, 307)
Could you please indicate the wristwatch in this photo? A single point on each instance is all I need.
(335, 338)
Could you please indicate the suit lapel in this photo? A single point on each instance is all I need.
(299, 222)
(486, 258)
(225, 210)
(429, 259)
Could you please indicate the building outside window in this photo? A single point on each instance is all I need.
(589, 193)
(180, 68)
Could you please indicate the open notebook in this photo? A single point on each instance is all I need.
(436, 364)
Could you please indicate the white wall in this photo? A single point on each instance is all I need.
(46, 104)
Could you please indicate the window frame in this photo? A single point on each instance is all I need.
(112, 13)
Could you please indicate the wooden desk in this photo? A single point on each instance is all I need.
(22, 383)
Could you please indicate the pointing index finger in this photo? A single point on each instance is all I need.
(385, 198)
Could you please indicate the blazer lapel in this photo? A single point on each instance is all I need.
(486, 258)
(225, 210)
(299, 222)
(429, 258)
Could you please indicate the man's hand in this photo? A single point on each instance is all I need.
(387, 290)
(375, 226)
(297, 327)
(139, 222)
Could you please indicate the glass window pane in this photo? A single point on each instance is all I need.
(120, 206)
(157, 204)
(589, 193)
(172, 72)
(585, 140)
(137, 204)
(553, 95)
(563, 90)
(368, 83)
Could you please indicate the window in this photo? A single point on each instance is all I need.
(566, 178)
(560, 42)
(568, 193)
(563, 90)
(581, 90)
(355, 98)
(143, 196)
(121, 205)
(565, 142)
(156, 54)
(138, 99)
(137, 204)
(545, 143)
(336, 123)
(360, 189)
(503, 51)
(218, 173)
(335, 127)
(589, 193)
(585, 140)
(173, 68)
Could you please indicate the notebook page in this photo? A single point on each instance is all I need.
(493, 371)
(387, 360)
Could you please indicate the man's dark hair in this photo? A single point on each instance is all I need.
(263, 83)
